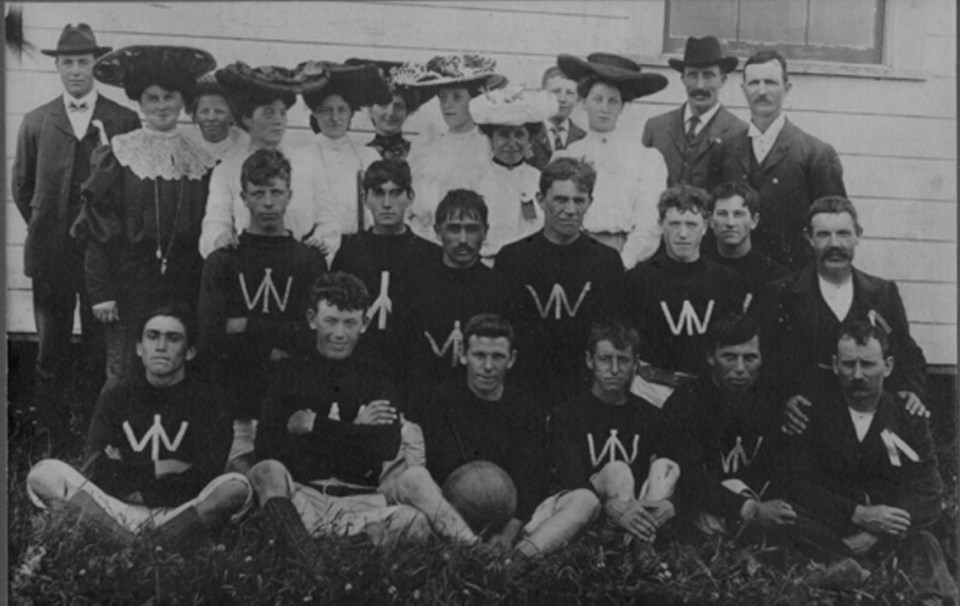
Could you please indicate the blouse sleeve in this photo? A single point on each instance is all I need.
(218, 218)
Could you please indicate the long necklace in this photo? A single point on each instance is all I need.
(161, 256)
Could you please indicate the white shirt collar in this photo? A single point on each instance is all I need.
(772, 132)
(839, 298)
(90, 99)
(705, 117)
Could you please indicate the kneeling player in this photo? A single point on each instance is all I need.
(329, 425)
(611, 440)
(482, 418)
(156, 447)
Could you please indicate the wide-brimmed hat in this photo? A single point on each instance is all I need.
(259, 85)
(136, 67)
(77, 40)
(476, 72)
(413, 97)
(513, 106)
(620, 71)
(704, 52)
(359, 85)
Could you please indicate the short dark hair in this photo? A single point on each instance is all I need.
(861, 331)
(581, 172)
(732, 329)
(729, 189)
(314, 99)
(488, 325)
(463, 203)
(263, 166)
(474, 88)
(552, 72)
(766, 56)
(618, 333)
(340, 289)
(210, 89)
(390, 169)
(684, 198)
(533, 128)
(247, 102)
(584, 86)
(832, 205)
(181, 312)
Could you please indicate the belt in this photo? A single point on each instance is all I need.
(342, 490)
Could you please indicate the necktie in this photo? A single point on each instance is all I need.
(692, 129)
(557, 139)
(78, 107)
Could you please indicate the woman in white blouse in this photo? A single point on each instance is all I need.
(337, 161)
(630, 177)
(511, 118)
(212, 114)
(458, 157)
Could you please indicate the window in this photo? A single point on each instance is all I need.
(847, 31)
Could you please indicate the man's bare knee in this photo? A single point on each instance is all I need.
(615, 480)
(582, 502)
(48, 482)
(414, 484)
(269, 479)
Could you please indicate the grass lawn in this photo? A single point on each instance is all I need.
(54, 560)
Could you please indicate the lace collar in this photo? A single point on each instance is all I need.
(169, 155)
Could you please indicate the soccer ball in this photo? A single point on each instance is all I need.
(483, 494)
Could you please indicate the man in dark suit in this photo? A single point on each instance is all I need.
(559, 131)
(866, 469)
(686, 135)
(788, 167)
(803, 312)
(52, 161)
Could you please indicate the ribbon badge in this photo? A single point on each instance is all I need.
(895, 445)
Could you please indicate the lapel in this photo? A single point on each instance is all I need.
(806, 292)
(58, 117)
(675, 130)
(576, 133)
(741, 149)
(781, 147)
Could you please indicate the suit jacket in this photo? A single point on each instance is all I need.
(689, 163)
(543, 151)
(831, 472)
(798, 169)
(42, 172)
(802, 331)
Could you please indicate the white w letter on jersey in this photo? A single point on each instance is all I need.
(266, 289)
(558, 301)
(731, 462)
(153, 436)
(454, 344)
(612, 448)
(383, 305)
(688, 319)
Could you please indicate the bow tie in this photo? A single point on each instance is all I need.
(78, 107)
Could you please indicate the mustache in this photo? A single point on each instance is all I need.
(700, 92)
(836, 251)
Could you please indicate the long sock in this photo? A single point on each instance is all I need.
(184, 531)
(287, 526)
(91, 512)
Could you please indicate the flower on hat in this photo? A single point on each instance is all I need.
(513, 106)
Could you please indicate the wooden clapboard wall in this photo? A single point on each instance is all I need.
(896, 135)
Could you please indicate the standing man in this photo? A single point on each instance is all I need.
(686, 135)
(809, 307)
(559, 130)
(567, 280)
(734, 211)
(52, 161)
(788, 167)
(254, 297)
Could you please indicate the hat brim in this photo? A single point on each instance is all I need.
(727, 64)
(266, 80)
(414, 99)
(632, 85)
(115, 67)
(487, 81)
(359, 85)
(98, 51)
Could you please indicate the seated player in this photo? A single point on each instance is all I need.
(673, 297)
(329, 424)
(612, 441)
(156, 449)
(732, 429)
(484, 419)
(385, 255)
(442, 295)
(253, 297)
(867, 469)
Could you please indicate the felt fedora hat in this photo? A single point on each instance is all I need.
(704, 52)
(625, 74)
(413, 97)
(77, 40)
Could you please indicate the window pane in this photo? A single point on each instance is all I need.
(851, 23)
(773, 21)
(703, 18)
